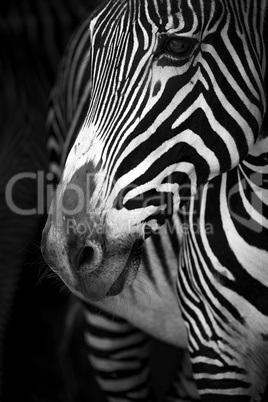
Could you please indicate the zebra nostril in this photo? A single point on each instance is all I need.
(86, 257)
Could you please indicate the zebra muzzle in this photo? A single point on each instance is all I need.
(130, 270)
(89, 258)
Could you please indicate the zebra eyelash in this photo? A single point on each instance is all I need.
(180, 46)
(185, 48)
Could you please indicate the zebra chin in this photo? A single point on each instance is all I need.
(91, 267)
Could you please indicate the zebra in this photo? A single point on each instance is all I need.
(153, 286)
(118, 335)
(168, 100)
(26, 89)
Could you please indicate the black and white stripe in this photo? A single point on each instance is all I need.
(222, 283)
(161, 131)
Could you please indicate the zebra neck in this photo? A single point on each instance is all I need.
(260, 148)
(256, 163)
(244, 193)
(255, 166)
(253, 183)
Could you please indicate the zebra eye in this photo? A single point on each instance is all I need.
(180, 46)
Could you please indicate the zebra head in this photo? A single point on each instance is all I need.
(176, 97)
